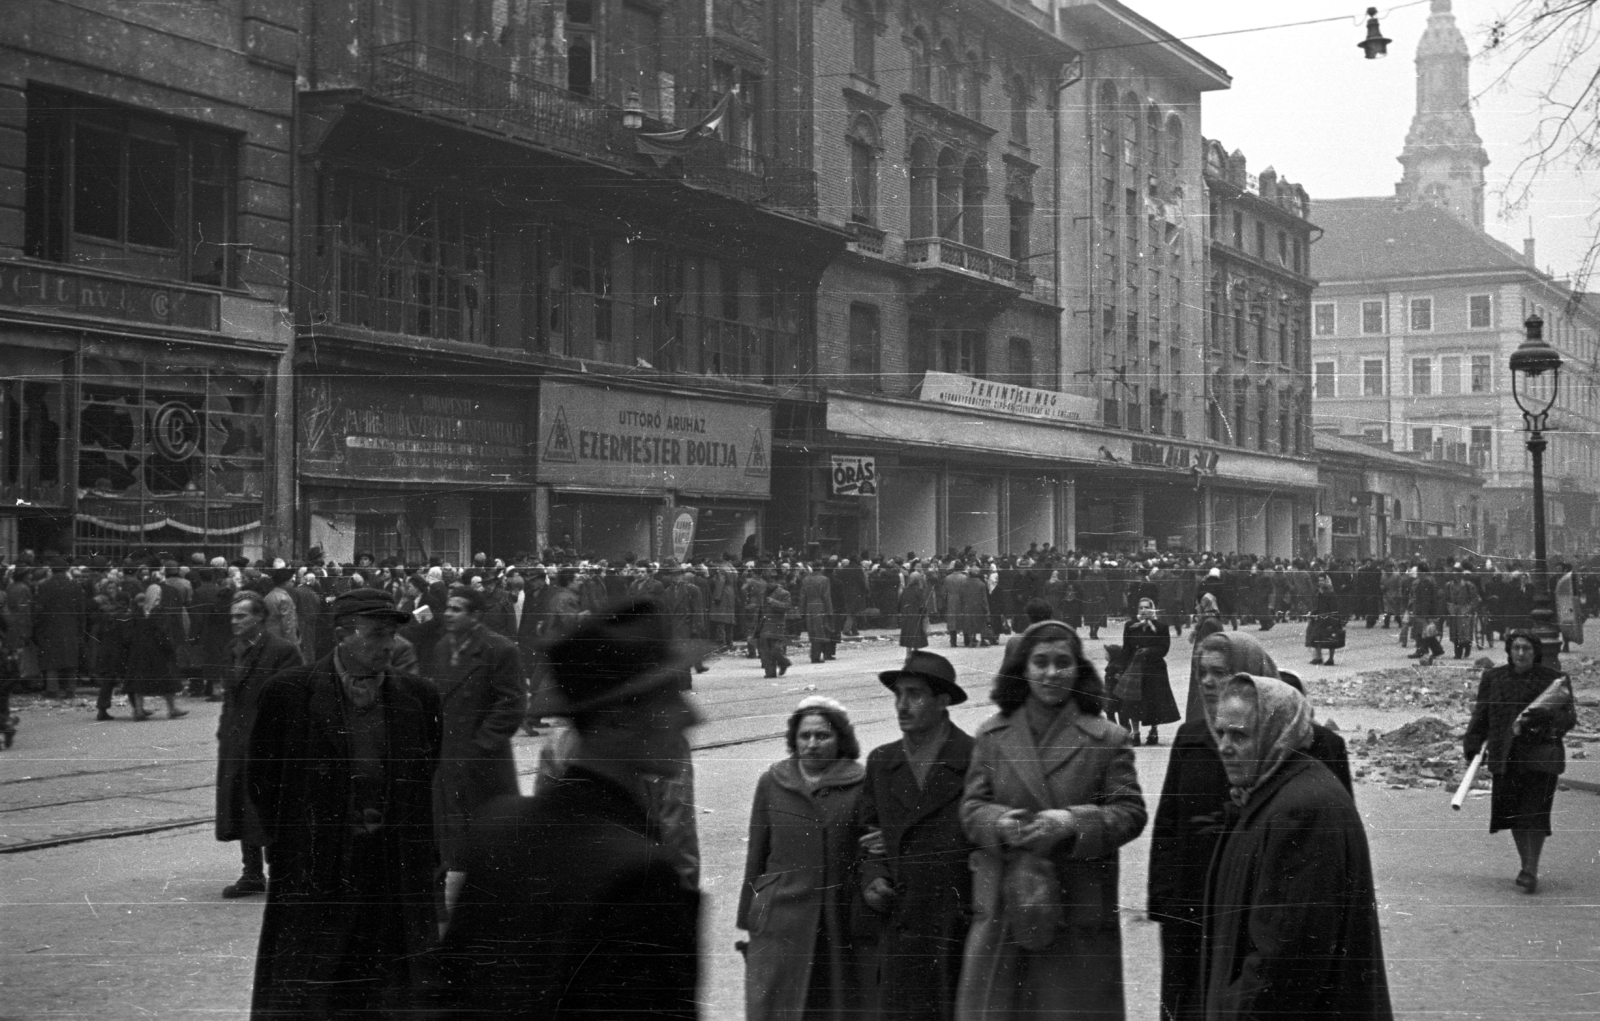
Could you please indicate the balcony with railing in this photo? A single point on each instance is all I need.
(942, 253)
(475, 92)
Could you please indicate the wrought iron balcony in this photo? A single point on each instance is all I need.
(439, 81)
(475, 92)
(945, 254)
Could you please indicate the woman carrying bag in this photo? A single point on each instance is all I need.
(1051, 796)
(1520, 716)
(1325, 630)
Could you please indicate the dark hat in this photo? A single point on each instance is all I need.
(371, 603)
(56, 562)
(614, 656)
(930, 667)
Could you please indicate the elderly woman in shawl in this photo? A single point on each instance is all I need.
(1290, 917)
(1189, 816)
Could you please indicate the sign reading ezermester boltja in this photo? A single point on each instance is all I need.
(598, 438)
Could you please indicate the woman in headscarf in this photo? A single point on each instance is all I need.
(1145, 689)
(800, 873)
(1189, 818)
(1290, 916)
(1052, 780)
(1325, 630)
(1525, 759)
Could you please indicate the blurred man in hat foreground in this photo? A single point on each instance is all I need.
(572, 906)
(340, 772)
(915, 872)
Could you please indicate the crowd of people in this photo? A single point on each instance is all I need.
(365, 768)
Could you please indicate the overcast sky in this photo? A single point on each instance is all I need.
(1305, 101)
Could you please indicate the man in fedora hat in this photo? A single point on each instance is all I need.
(914, 868)
(340, 771)
(571, 905)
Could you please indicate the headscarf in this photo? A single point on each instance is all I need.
(1283, 726)
(1208, 605)
(1245, 654)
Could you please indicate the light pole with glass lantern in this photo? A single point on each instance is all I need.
(1535, 382)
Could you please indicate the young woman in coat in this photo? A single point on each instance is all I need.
(1524, 780)
(799, 876)
(1146, 640)
(1052, 778)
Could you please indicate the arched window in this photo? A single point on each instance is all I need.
(1132, 130)
(1019, 109)
(924, 184)
(864, 38)
(974, 186)
(1109, 146)
(921, 64)
(1154, 139)
(950, 195)
(863, 142)
(972, 86)
(949, 78)
(1174, 145)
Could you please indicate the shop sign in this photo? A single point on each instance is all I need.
(984, 395)
(1173, 455)
(600, 438)
(672, 531)
(411, 432)
(80, 292)
(854, 476)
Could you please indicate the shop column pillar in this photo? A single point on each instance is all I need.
(1136, 520)
(541, 521)
(281, 530)
(1067, 516)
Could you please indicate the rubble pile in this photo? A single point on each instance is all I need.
(1424, 753)
(1438, 689)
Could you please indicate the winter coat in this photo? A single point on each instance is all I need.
(724, 604)
(969, 612)
(925, 859)
(815, 604)
(1502, 695)
(1425, 602)
(326, 882)
(483, 700)
(283, 614)
(213, 633)
(776, 606)
(143, 651)
(950, 597)
(1369, 590)
(571, 910)
(1396, 592)
(1325, 629)
(1096, 597)
(1144, 684)
(59, 608)
(1569, 611)
(1082, 763)
(752, 593)
(1291, 918)
(799, 881)
(241, 695)
(913, 612)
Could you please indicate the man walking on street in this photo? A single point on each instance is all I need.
(479, 678)
(572, 907)
(254, 657)
(341, 772)
(915, 870)
(59, 606)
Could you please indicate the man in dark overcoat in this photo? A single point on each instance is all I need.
(59, 609)
(341, 773)
(572, 907)
(210, 618)
(253, 658)
(479, 677)
(915, 872)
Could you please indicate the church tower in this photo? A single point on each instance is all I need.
(1444, 157)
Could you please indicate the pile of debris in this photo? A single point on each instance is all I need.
(1438, 689)
(1424, 753)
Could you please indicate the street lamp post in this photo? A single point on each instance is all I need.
(1535, 382)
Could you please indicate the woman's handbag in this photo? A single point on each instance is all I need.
(1032, 895)
(1539, 756)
